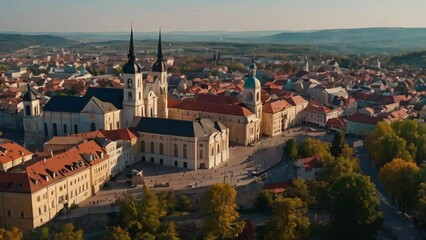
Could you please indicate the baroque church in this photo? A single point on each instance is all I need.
(99, 108)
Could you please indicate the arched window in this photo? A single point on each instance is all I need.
(250, 96)
(258, 96)
(142, 146)
(140, 96)
(184, 151)
(218, 148)
(152, 147)
(161, 148)
(130, 96)
(152, 112)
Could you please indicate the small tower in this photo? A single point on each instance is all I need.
(133, 87)
(32, 120)
(159, 70)
(252, 89)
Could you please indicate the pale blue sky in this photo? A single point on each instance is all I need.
(203, 15)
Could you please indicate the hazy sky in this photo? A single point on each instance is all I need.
(200, 15)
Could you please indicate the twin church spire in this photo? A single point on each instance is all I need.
(132, 67)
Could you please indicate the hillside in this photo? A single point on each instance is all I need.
(414, 59)
(364, 40)
(13, 42)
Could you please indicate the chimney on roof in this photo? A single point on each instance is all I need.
(44, 160)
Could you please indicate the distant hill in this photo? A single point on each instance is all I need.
(13, 42)
(363, 40)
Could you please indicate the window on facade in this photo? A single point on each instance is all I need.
(176, 163)
(27, 110)
(143, 159)
(75, 128)
(8, 213)
(258, 96)
(45, 130)
(185, 165)
(175, 150)
(22, 214)
(212, 151)
(92, 126)
(55, 130)
(218, 149)
(140, 96)
(129, 96)
(184, 150)
(142, 146)
(161, 148)
(161, 161)
(65, 129)
(152, 160)
(152, 147)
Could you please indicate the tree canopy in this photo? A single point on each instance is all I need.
(399, 177)
(354, 208)
(290, 149)
(337, 144)
(221, 221)
(116, 233)
(13, 234)
(289, 221)
(68, 232)
(310, 147)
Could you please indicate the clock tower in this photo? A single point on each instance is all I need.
(133, 88)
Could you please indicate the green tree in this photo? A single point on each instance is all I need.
(264, 200)
(116, 233)
(290, 149)
(184, 203)
(42, 233)
(354, 208)
(150, 211)
(334, 168)
(131, 215)
(399, 177)
(311, 147)
(383, 145)
(68, 232)
(168, 232)
(289, 221)
(420, 209)
(337, 144)
(219, 205)
(144, 236)
(13, 234)
(4, 68)
(299, 189)
(167, 202)
(249, 231)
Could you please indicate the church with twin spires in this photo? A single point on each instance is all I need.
(99, 108)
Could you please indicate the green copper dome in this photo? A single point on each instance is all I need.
(252, 82)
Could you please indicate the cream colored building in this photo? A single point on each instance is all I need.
(242, 118)
(185, 144)
(32, 195)
(100, 108)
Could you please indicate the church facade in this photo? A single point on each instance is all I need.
(100, 108)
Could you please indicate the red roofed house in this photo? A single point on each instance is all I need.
(274, 117)
(307, 168)
(12, 154)
(361, 124)
(319, 115)
(32, 195)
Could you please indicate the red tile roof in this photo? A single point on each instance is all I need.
(277, 106)
(11, 151)
(362, 118)
(220, 108)
(336, 123)
(296, 100)
(312, 162)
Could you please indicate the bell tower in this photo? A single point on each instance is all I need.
(159, 70)
(133, 87)
(252, 91)
(33, 129)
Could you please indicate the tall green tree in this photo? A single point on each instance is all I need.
(290, 149)
(337, 144)
(400, 178)
(42, 233)
(354, 208)
(131, 215)
(334, 168)
(311, 147)
(289, 221)
(168, 232)
(299, 189)
(68, 233)
(219, 206)
(420, 209)
(150, 211)
(13, 234)
(116, 233)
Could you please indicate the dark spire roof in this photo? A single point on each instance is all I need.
(131, 66)
(160, 48)
(30, 95)
(159, 65)
(253, 66)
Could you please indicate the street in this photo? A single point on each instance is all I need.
(394, 220)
